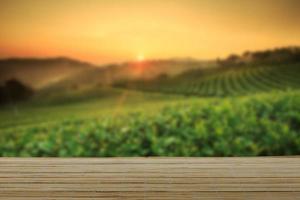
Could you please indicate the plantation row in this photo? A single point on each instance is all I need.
(226, 82)
(256, 125)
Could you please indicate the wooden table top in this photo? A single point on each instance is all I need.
(150, 178)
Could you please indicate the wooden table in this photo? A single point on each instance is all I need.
(150, 178)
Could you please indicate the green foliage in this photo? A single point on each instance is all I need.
(248, 126)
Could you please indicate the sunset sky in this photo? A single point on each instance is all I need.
(104, 31)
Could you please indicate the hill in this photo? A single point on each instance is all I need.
(64, 79)
(38, 73)
(251, 72)
(109, 74)
(67, 73)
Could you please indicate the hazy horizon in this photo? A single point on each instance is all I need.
(103, 32)
(144, 59)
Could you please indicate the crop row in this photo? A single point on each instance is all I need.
(236, 81)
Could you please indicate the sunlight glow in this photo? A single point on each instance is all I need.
(140, 58)
(109, 31)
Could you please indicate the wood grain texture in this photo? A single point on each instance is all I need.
(150, 178)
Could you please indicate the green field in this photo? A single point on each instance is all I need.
(248, 111)
(38, 112)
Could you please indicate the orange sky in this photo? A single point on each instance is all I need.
(104, 31)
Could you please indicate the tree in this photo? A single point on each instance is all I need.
(13, 91)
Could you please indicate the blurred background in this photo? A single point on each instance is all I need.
(149, 78)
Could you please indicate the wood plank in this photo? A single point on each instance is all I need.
(150, 178)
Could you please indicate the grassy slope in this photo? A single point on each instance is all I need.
(95, 103)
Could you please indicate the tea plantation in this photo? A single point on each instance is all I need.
(247, 110)
(256, 125)
(224, 81)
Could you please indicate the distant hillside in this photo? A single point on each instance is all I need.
(277, 69)
(108, 75)
(65, 73)
(251, 72)
(38, 73)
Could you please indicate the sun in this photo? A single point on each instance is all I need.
(140, 58)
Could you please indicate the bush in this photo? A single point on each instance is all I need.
(253, 126)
